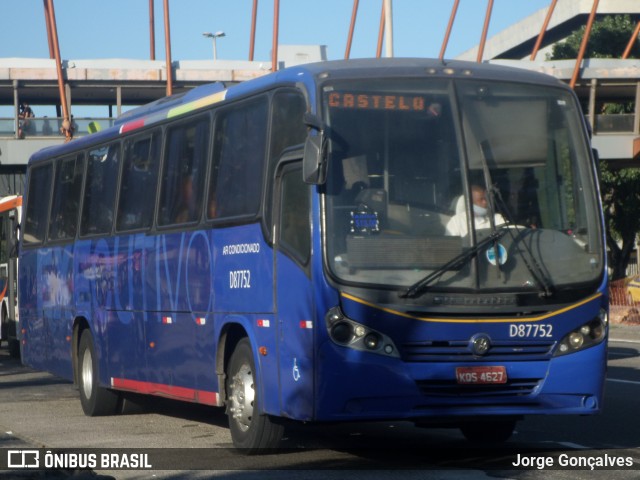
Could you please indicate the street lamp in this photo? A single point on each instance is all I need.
(213, 36)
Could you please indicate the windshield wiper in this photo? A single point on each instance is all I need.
(455, 263)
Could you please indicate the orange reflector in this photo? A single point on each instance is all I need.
(263, 351)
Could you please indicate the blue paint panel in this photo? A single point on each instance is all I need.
(244, 266)
(357, 385)
(150, 301)
(47, 290)
(398, 387)
(297, 359)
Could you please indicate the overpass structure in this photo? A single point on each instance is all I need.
(599, 81)
(111, 86)
(118, 84)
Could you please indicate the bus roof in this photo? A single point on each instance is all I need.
(307, 74)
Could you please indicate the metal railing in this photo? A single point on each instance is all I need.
(615, 123)
(50, 126)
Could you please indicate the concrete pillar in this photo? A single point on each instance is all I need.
(67, 91)
(16, 108)
(118, 100)
(592, 104)
(636, 118)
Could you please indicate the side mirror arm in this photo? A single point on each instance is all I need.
(314, 166)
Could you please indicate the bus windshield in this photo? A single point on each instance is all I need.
(421, 174)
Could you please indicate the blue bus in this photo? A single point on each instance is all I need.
(389, 239)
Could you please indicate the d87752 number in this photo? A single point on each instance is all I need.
(530, 330)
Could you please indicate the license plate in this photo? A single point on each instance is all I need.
(481, 375)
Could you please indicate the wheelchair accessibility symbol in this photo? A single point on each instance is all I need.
(296, 370)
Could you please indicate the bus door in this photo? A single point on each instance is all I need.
(294, 292)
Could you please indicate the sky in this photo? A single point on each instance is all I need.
(98, 29)
(120, 28)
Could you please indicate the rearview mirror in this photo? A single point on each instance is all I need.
(314, 165)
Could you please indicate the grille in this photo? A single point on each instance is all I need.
(400, 251)
(458, 351)
(450, 388)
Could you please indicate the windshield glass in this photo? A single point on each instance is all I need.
(421, 172)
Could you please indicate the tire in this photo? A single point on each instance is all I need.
(9, 334)
(250, 431)
(4, 327)
(498, 431)
(96, 400)
(14, 348)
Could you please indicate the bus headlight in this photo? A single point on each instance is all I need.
(576, 340)
(586, 336)
(347, 333)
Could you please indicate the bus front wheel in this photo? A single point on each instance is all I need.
(96, 400)
(250, 430)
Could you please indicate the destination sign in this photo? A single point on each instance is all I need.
(374, 101)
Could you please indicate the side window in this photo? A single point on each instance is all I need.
(100, 190)
(287, 130)
(287, 126)
(37, 204)
(65, 204)
(239, 153)
(183, 172)
(294, 226)
(138, 186)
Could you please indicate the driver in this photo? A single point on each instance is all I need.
(458, 224)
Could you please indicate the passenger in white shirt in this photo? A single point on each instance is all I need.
(458, 223)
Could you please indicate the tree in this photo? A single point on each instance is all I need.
(620, 188)
(621, 201)
(608, 39)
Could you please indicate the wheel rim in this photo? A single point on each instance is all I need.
(87, 374)
(242, 395)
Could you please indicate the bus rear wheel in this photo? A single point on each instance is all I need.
(251, 431)
(4, 326)
(96, 400)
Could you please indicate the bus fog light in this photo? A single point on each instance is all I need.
(388, 349)
(372, 341)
